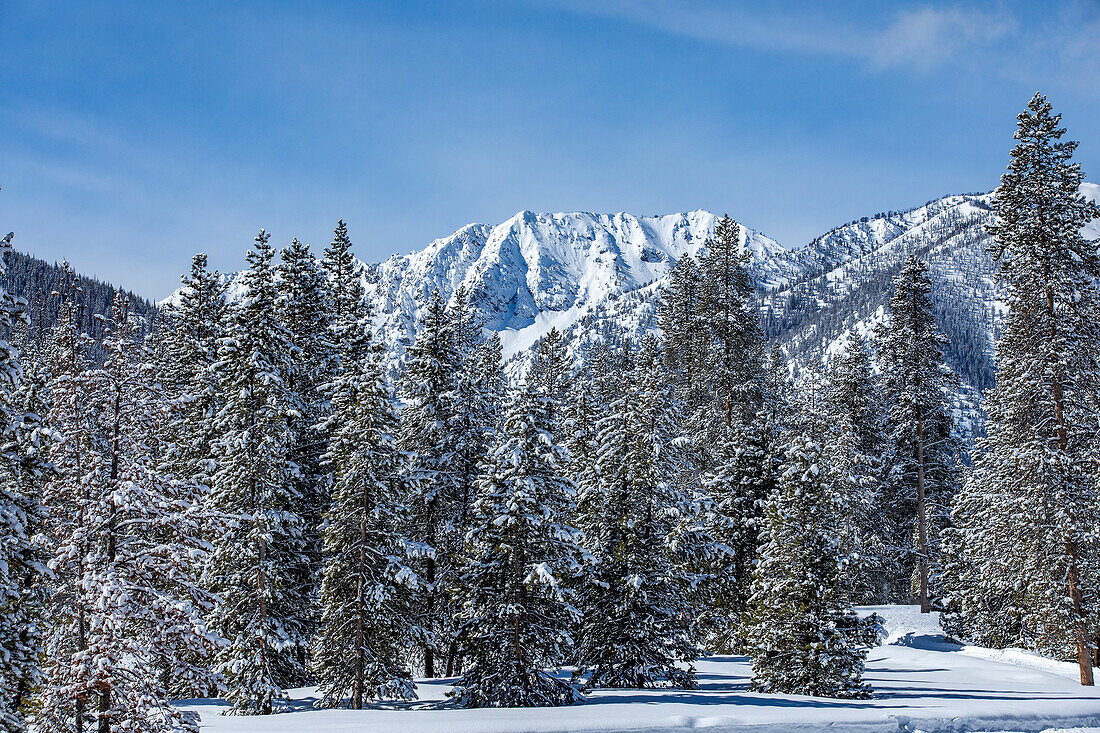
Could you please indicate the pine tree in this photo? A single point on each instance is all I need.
(66, 497)
(683, 325)
(302, 307)
(735, 355)
(344, 273)
(550, 365)
(431, 457)
(190, 348)
(853, 432)
(139, 606)
(636, 630)
(728, 428)
(367, 598)
(473, 406)
(801, 632)
(516, 613)
(474, 400)
(22, 558)
(254, 568)
(921, 452)
(1034, 488)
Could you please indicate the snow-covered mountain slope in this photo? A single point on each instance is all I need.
(535, 271)
(597, 275)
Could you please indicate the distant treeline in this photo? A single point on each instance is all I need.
(37, 281)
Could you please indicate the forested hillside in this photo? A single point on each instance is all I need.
(38, 282)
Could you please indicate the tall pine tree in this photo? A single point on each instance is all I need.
(921, 453)
(22, 557)
(1034, 490)
(263, 604)
(368, 609)
(637, 627)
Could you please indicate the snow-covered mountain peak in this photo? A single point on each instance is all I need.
(535, 269)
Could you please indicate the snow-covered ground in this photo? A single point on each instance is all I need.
(921, 682)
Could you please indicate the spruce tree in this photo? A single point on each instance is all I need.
(1034, 488)
(139, 605)
(516, 611)
(344, 273)
(728, 428)
(853, 434)
(800, 629)
(68, 502)
(637, 626)
(190, 348)
(22, 557)
(367, 620)
(254, 569)
(550, 366)
(921, 453)
(429, 448)
(474, 405)
(735, 354)
(303, 306)
(683, 327)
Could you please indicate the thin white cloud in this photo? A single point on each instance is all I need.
(920, 37)
(929, 37)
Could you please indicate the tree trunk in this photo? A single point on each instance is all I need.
(429, 653)
(922, 522)
(360, 607)
(1073, 577)
(1073, 581)
(452, 656)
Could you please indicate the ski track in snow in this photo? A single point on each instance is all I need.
(922, 683)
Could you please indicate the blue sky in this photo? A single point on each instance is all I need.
(133, 134)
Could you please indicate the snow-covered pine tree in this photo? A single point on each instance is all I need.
(190, 348)
(921, 455)
(475, 402)
(303, 306)
(777, 396)
(516, 612)
(428, 385)
(65, 698)
(22, 557)
(550, 365)
(1029, 510)
(136, 584)
(263, 606)
(800, 629)
(734, 366)
(684, 329)
(637, 625)
(344, 273)
(367, 621)
(732, 441)
(853, 434)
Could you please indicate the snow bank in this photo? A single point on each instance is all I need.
(922, 683)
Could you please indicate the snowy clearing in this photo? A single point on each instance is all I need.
(921, 682)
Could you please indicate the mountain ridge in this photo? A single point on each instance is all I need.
(594, 275)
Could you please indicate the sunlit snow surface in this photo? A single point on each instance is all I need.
(921, 682)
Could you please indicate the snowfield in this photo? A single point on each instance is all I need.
(921, 682)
